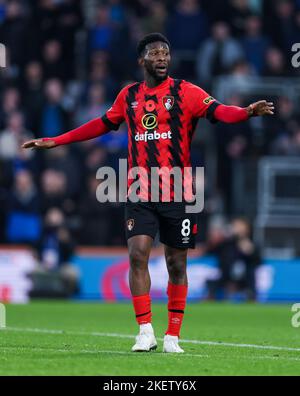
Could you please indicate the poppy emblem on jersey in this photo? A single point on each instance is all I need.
(168, 102)
(150, 105)
(149, 121)
(130, 224)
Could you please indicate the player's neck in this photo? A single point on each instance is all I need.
(152, 82)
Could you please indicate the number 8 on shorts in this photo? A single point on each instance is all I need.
(186, 228)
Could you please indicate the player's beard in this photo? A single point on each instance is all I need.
(153, 73)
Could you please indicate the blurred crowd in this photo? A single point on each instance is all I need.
(67, 60)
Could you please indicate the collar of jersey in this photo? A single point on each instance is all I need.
(160, 86)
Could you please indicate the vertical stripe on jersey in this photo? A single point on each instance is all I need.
(175, 124)
(132, 145)
(151, 145)
(132, 148)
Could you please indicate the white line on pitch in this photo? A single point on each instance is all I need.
(99, 352)
(128, 336)
(95, 352)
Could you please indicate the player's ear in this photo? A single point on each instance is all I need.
(141, 61)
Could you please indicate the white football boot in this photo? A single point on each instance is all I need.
(145, 341)
(171, 344)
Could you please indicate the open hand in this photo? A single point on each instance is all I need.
(261, 108)
(39, 143)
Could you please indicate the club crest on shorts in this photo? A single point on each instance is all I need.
(130, 224)
(168, 102)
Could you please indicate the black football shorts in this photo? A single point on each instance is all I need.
(176, 227)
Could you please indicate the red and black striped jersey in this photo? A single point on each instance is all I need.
(161, 121)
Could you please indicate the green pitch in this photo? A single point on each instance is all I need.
(67, 338)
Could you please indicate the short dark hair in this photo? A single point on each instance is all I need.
(151, 38)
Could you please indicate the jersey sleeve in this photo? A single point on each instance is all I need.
(114, 116)
(201, 104)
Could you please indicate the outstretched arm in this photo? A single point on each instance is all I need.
(96, 127)
(234, 114)
(86, 131)
(201, 104)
